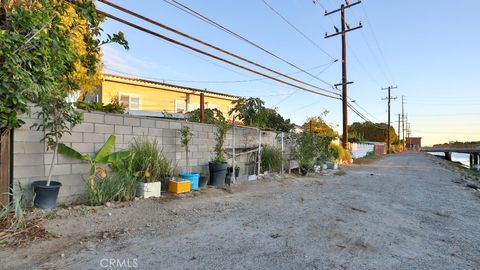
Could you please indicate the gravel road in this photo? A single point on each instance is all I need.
(405, 211)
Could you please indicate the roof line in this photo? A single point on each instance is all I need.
(168, 84)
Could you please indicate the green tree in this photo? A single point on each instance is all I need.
(375, 132)
(317, 125)
(247, 110)
(211, 116)
(40, 53)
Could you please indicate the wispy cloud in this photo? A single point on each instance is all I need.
(125, 62)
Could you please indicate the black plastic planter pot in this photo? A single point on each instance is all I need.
(46, 196)
(202, 181)
(237, 172)
(218, 172)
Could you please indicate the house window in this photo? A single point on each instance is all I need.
(211, 106)
(131, 102)
(193, 107)
(180, 106)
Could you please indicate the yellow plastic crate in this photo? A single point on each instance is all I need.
(179, 187)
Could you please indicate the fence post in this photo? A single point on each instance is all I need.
(259, 150)
(283, 161)
(233, 158)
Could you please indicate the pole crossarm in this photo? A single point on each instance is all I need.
(340, 9)
(346, 31)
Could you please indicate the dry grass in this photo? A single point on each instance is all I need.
(23, 235)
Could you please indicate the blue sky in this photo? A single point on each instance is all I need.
(429, 49)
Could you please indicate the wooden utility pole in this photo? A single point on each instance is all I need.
(403, 122)
(398, 130)
(202, 108)
(389, 98)
(345, 29)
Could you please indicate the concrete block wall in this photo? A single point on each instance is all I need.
(32, 160)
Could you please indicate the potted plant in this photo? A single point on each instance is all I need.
(203, 180)
(59, 117)
(102, 156)
(146, 166)
(218, 167)
(237, 171)
(186, 137)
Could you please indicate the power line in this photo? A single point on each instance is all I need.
(210, 81)
(206, 44)
(156, 34)
(297, 29)
(377, 43)
(196, 14)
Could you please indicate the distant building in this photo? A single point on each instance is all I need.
(413, 143)
(144, 96)
(297, 129)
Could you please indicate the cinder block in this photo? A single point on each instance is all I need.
(128, 138)
(80, 168)
(104, 128)
(62, 159)
(83, 127)
(123, 129)
(175, 125)
(169, 133)
(146, 123)
(59, 169)
(93, 137)
(114, 119)
(169, 149)
(143, 131)
(29, 147)
(93, 117)
(131, 121)
(198, 127)
(29, 122)
(28, 135)
(161, 124)
(168, 141)
(83, 147)
(29, 171)
(121, 146)
(28, 159)
(155, 132)
(75, 137)
(72, 180)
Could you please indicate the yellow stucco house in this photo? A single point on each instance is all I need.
(152, 96)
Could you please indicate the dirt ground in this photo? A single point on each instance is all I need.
(405, 211)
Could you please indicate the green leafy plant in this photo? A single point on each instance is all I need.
(271, 158)
(338, 154)
(148, 164)
(103, 156)
(59, 117)
(211, 116)
(309, 146)
(113, 107)
(186, 137)
(12, 215)
(220, 134)
(116, 186)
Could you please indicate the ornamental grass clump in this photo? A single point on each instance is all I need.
(271, 159)
(148, 164)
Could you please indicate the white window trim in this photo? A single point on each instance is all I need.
(129, 99)
(184, 109)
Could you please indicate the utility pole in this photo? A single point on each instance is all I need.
(403, 121)
(345, 29)
(389, 98)
(398, 130)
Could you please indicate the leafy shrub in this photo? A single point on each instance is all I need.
(338, 154)
(309, 146)
(113, 107)
(271, 159)
(148, 164)
(115, 186)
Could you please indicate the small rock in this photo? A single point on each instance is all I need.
(136, 198)
(63, 255)
(109, 214)
(149, 225)
(108, 204)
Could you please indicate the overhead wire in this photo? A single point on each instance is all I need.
(297, 29)
(154, 22)
(204, 18)
(156, 34)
